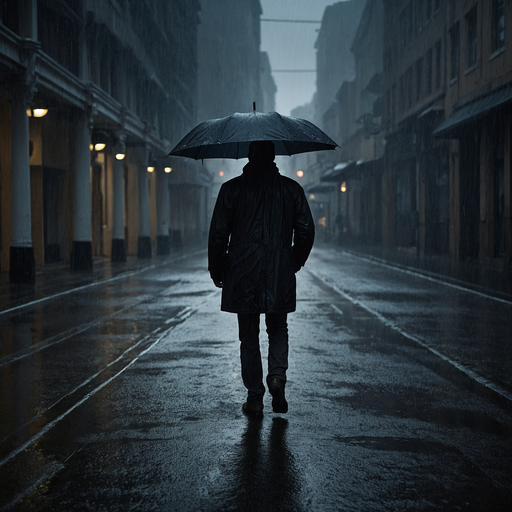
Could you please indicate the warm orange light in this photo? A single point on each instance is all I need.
(40, 112)
(120, 156)
(343, 187)
(221, 173)
(168, 170)
(300, 174)
(151, 169)
(99, 146)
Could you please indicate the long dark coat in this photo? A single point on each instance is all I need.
(257, 218)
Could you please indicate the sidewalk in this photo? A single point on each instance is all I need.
(482, 278)
(58, 278)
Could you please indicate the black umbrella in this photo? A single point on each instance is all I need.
(229, 137)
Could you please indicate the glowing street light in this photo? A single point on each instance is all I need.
(343, 187)
(168, 169)
(37, 112)
(300, 174)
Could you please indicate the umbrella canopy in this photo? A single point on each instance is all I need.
(229, 137)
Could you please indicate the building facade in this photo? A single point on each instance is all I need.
(448, 92)
(334, 60)
(116, 85)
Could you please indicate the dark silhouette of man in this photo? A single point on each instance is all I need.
(261, 234)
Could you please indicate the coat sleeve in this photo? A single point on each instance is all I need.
(218, 238)
(304, 230)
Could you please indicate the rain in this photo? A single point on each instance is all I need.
(255, 255)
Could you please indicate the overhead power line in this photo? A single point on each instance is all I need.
(294, 71)
(283, 20)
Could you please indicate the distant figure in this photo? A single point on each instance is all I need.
(261, 234)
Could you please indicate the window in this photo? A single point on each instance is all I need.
(10, 15)
(428, 72)
(419, 77)
(438, 64)
(471, 31)
(455, 47)
(498, 25)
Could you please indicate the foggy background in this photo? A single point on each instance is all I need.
(291, 46)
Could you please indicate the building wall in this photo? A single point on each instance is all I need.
(95, 59)
(438, 64)
(334, 61)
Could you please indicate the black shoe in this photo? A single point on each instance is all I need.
(276, 389)
(255, 411)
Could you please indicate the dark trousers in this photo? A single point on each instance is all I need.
(250, 356)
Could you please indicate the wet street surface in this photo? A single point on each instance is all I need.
(126, 395)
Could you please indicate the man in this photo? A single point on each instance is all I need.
(257, 218)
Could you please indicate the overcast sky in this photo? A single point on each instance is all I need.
(292, 46)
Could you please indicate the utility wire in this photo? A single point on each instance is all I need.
(294, 71)
(282, 20)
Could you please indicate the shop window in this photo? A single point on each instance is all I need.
(471, 33)
(454, 51)
(498, 25)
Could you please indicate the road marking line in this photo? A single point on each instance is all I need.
(39, 481)
(34, 349)
(102, 281)
(337, 309)
(49, 425)
(470, 373)
(428, 278)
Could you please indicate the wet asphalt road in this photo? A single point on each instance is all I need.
(127, 395)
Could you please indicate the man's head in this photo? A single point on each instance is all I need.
(261, 152)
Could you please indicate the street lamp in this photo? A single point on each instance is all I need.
(150, 168)
(300, 174)
(343, 187)
(168, 170)
(37, 112)
(120, 151)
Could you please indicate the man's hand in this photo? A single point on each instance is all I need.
(218, 284)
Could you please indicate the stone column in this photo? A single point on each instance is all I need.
(162, 205)
(144, 241)
(22, 261)
(118, 243)
(81, 252)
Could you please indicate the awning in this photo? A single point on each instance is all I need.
(319, 189)
(434, 109)
(336, 173)
(473, 112)
(369, 166)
